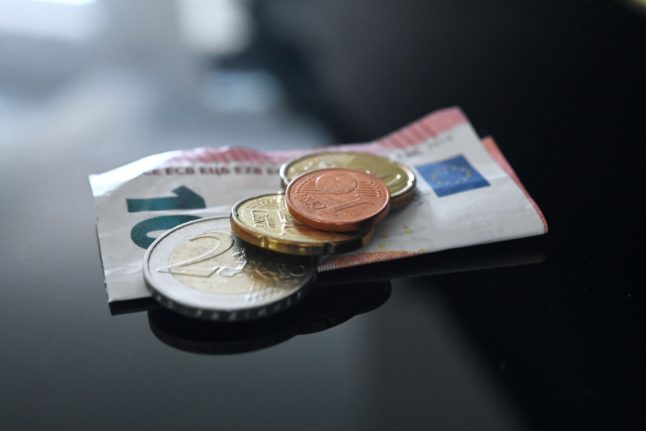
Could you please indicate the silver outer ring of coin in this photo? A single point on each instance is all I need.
(191, 302)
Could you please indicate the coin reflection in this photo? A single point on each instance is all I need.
(322, 309)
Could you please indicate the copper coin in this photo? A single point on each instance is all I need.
(337, 199)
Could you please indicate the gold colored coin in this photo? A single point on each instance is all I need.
(265, 222)
(399, 178)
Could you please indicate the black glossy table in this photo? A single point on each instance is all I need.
(540, 333)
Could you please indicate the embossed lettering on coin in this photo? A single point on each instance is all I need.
(264, 221)
(201, 267)
(399, 179)
(337, 199)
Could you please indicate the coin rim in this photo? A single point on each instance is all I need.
(219, 314)
(332, 226)
(294, 247)
(397, 200)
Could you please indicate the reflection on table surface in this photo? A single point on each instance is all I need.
(323, 308)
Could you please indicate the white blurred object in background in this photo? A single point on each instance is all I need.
(214, 27)
(67, 20)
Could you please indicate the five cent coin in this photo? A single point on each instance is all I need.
(338, 199)
(201, 270)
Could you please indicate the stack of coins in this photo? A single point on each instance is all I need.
(263, 258)
(399, 178)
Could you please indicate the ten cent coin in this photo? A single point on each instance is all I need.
(337, 199)
(399, 178)
(201, 270)
(265, 222)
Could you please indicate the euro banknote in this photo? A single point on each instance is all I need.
(467, 194)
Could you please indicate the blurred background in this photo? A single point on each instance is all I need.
(89, 85)
(295, 73)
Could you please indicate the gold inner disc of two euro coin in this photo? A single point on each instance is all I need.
(200, 269)
(399, 178)
(265, 222)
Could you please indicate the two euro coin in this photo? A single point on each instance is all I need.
(201, 270)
